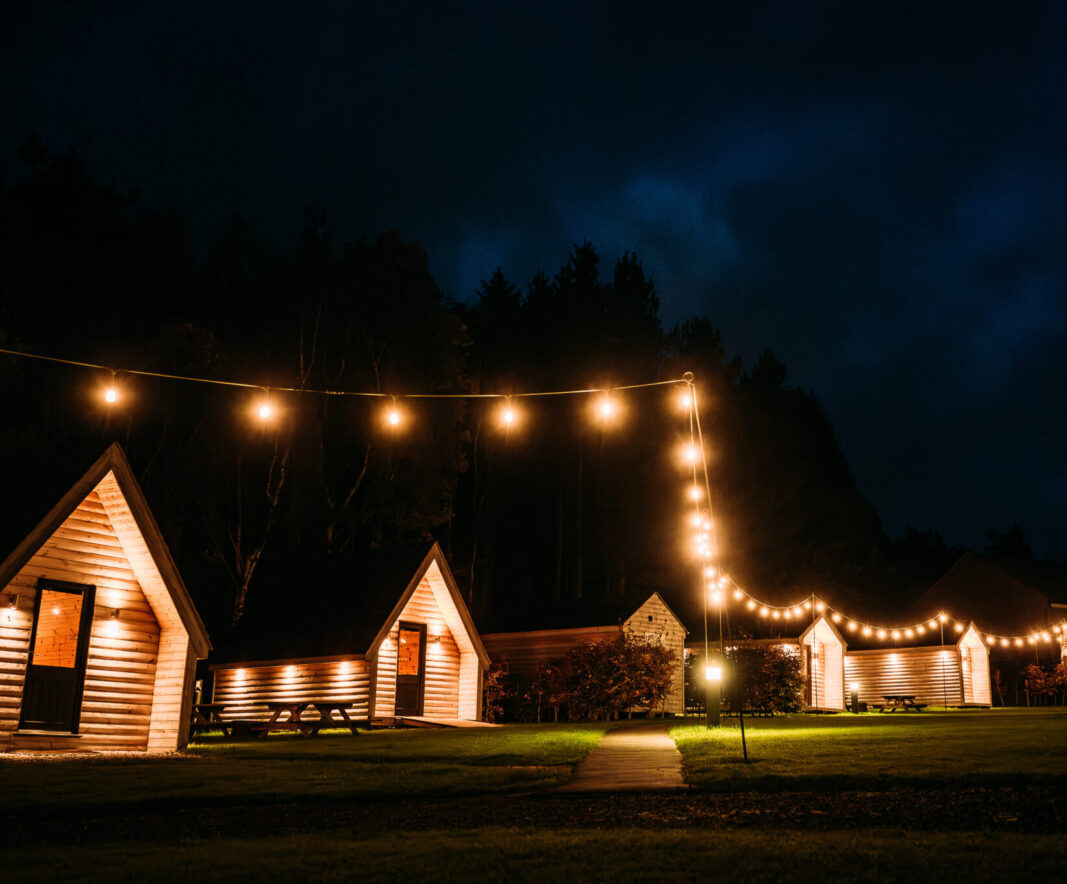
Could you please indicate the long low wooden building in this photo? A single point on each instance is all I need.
(424, 659)
(940, 675)
(526, 651)
(99, 638)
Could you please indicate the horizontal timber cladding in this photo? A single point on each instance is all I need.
(525, 652)
(931, 674)
(441, 694)
(120, 675)
(656, 622)
(245, 690)
(823, 650)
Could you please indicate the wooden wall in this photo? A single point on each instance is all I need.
(655, 621)
(932, 674)
(525, 652)
(121, 669)
(441, 698)
(246, 688)
(827, 676)
(974, 669)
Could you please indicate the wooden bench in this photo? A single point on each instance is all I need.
(294, 720)
(899, 703)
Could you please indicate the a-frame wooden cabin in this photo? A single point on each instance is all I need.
(98, 635)
(420, 658)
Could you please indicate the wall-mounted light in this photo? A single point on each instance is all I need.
(112, 625)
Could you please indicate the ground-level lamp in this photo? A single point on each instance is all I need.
(854, 697)
(713, 675)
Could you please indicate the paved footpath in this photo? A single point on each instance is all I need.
(633, 758)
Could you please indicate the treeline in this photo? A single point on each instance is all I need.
(554, 511)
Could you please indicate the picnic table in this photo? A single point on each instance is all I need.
(208, 717)
(293, 710)
(901, 702)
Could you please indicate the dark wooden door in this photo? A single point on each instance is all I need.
(410, 668)
(59, 646)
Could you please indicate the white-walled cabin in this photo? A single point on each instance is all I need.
(822, 662)
(939, 675)
(98, 635)
(425, 661)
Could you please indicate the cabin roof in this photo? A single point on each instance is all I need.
(365, 594)
(150, 559)
(578, 613)
(1001, 594)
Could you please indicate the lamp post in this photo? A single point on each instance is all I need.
(713, 674)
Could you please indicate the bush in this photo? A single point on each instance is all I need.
(768, 675)
(602, 679)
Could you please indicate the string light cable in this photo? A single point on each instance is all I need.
(699, 492)
(368, 394)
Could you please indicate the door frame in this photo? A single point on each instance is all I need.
(420, 628)
(81, 654)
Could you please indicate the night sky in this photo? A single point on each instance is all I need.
(875, 191)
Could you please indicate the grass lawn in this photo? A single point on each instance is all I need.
(877, 750)
(391, 803)
(286, 768)
(624, 854)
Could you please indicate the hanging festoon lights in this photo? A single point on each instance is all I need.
(508, 415)
(110, 392)
(606, 408)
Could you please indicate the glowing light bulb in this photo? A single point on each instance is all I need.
(265, 411)
(508, 416)
(959, 627)
(1018, 642)
(716, 598)
(990, 640)
(713, 673)
(751, 605)
(908, 633)
(896, 634)
(807, 606)
(852, 627)
(920, 629)
(777, 615)
(606, 409)
(932, 624)
(835, 617)
(764, 612)
(820, 607)
(55, 611)
(942, 617)
(684, 400)
(738, 595)
(393, 417)
(695, 492)
(866, 630)
(1004, 643)
(710, 572)
(788, 615)
(881, 633)
(111, 395)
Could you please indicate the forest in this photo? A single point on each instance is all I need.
(553, 512)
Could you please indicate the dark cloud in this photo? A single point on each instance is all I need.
(873, 190)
